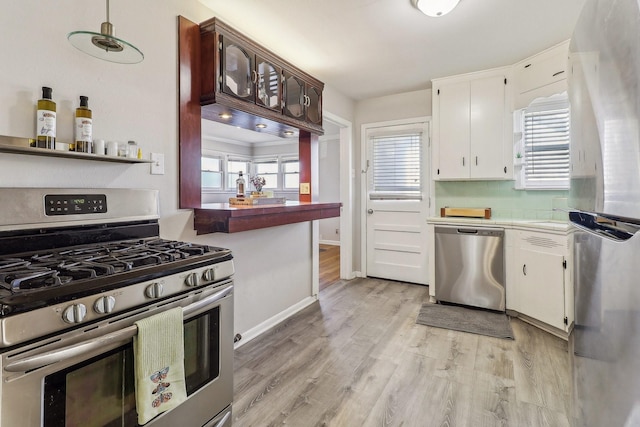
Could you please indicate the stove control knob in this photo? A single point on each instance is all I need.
(192, 279)
(104, 305)
(209, 275)
(74, 313)
(154, 290)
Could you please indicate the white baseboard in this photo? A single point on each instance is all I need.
(330, 242)
(273, 321)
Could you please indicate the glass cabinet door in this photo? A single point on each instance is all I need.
(237, 69)
(294, 96)
(268, 85)
(314, 105)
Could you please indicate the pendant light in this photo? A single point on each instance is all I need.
(104, 45)
(435, 8)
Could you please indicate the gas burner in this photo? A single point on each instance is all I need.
(60, 267)
(29, 278)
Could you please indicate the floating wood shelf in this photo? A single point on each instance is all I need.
(223, 218)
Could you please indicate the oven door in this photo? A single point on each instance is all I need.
(90, 381)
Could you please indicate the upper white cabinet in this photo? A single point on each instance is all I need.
(541, 75)
(472, 126)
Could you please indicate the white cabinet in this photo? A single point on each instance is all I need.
(471, 127)
(539, 264)
(541, 75)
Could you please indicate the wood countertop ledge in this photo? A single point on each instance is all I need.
(225, 218)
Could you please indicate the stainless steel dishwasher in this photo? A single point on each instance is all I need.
(469, 266)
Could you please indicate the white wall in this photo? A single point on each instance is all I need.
(134, 102)
(329, 186)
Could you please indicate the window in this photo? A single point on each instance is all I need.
(234, 167)
(546, 145)
(396, 166)
(220, 172)
(212, 172)
(268, 169)
(290, 173)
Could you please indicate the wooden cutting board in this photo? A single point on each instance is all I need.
(466, 212)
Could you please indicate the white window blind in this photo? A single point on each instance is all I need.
(546, 146)
(396, 166)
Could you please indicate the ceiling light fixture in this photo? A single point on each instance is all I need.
(435, 8)
(225, 116)
(261, 126)
(104, 45)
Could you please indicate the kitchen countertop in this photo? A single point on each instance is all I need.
(537, 224)
(226, 218)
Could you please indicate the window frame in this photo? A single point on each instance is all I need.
(526, 181)
(395, 131)
(221, 158)
(283, 160)
(251, 161)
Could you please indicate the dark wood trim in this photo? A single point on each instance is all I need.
(221, 217)
(189, 124)
(305, 143)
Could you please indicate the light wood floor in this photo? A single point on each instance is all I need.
(329, 265)
(357, 358)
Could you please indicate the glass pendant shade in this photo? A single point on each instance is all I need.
(105, 45)
(436, 8)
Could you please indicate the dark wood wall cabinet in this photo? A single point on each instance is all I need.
(226, 77)
(246, 85)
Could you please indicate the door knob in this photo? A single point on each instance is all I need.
(370, 211)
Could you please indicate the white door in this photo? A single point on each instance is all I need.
(397, 202)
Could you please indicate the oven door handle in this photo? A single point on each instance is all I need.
(54, 356)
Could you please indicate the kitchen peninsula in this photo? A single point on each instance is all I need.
(226, 218)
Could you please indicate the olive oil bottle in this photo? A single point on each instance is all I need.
(46, 121)
(83, 127)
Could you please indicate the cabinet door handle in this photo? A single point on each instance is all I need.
(524, 269)
(463, 161)
(476, 160)
(557, 73)
(254, 76)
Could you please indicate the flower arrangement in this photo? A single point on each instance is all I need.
(258, 182)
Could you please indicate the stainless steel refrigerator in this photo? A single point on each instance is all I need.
(604, 93)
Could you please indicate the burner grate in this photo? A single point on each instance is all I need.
(59, 267)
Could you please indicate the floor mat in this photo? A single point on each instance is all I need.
(465, 319)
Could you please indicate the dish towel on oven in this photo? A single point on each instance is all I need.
(158, 349)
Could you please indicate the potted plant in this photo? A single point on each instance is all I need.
(258, 182)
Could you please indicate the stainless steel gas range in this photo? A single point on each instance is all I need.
(77, 268)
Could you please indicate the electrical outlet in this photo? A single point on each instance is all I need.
(157, 165)
(305, 188)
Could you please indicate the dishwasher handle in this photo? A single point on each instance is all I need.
(467, 231)
(470, 231)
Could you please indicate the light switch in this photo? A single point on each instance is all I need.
(157, 164)
(305, 188)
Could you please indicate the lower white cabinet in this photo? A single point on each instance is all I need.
(539, 262)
